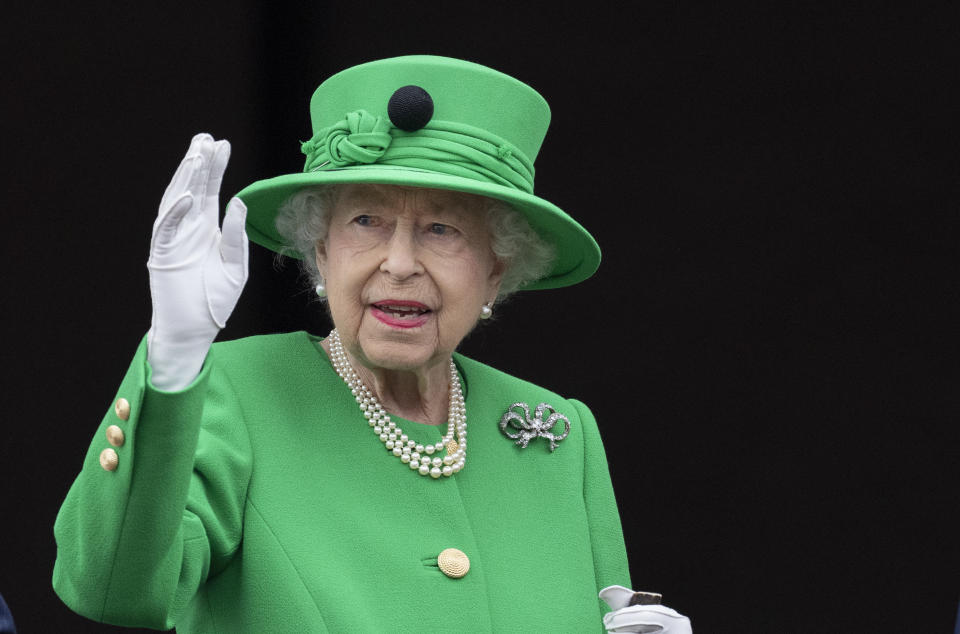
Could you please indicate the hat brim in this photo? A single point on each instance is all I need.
(577, 253)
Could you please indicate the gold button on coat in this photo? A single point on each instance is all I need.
(453, 563)
(115, 436)
(109, 459)
(122, 408)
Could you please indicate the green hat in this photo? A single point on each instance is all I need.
(428, 121)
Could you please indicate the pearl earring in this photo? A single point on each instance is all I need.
(321, 289)
(486, 311)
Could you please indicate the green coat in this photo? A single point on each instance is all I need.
(257, 499)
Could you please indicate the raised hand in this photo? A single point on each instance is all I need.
(197, 271)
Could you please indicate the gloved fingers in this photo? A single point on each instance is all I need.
(234, 245)
(198, 185)
(219, 157)
(640, 629)
(647, 618)
(167, 224)
(616, 596)
(184, 173)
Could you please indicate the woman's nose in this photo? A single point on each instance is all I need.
(401, 259)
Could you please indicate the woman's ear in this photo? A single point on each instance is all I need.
(320, 249)
(496, 277)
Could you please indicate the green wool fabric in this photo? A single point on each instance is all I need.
(257, 499)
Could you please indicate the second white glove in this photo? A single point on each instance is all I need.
(640, 619)
(196, 271)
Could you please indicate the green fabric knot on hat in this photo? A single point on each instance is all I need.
(359, 138)
(444, 147)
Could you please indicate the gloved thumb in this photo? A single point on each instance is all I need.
(234, 244)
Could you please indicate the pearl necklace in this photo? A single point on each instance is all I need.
(410, 452)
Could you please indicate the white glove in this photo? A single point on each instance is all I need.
(196, 273)
(646, 619)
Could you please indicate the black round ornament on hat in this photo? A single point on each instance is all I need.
(410, 108)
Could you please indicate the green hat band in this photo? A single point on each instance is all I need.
(446, 147)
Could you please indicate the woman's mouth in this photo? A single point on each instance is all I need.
(400, 313)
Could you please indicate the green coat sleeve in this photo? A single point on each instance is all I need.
(135, 543)
(606, 533)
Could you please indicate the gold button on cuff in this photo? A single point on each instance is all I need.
(109, 459)
(122, 408)
(115, 436)
(453, 563)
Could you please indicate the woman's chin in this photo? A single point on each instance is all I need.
(398, 349)
(403, 359)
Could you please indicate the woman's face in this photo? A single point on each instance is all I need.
(407, 270)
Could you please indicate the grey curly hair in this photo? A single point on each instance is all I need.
(303, 220)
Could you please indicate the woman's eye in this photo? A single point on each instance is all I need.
(439, 229)
(363, 220)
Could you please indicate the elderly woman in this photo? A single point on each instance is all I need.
(289, 483)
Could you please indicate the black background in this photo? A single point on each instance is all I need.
(768, 346)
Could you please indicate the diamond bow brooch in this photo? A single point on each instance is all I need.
(530, 428)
